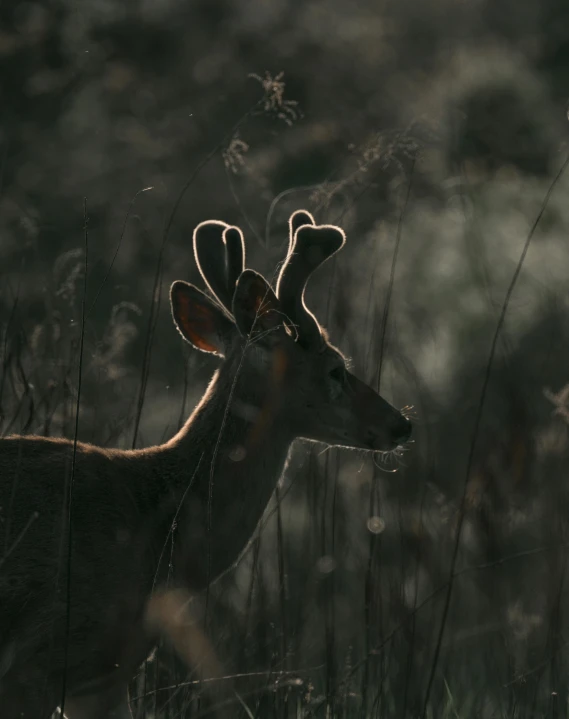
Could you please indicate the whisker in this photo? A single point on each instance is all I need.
(381, 459)
(409, 412)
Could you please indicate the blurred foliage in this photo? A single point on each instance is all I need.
(245, 111)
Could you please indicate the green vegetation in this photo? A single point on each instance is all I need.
(432, 133)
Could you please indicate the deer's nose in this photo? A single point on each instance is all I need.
(402, 431)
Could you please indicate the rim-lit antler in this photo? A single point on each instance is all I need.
(219, 250)
(235, 254)
(296, 220)
(310, 246)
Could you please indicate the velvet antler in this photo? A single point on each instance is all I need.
(310, 246)
(219, 250)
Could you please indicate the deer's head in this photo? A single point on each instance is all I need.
(287, 371)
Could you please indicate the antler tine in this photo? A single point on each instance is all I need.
(210, 254)
(311, 247)
(296, 220)
(299, 218)
(235, 253)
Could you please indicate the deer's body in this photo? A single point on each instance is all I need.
(124, 505)
(179, 513)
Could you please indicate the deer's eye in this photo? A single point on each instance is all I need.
(338, 374)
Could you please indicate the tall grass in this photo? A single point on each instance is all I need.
(342, 606)
(432, 585)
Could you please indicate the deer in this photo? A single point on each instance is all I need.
(86, 528)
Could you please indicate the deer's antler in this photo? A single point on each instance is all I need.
(310, 246)
(219, 250)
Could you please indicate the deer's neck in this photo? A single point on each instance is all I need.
(222, 469)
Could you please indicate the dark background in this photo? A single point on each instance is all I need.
(432, 130)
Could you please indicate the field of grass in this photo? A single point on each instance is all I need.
(427, 585)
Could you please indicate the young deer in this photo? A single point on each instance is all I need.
(196, 499)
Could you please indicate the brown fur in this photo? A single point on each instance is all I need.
(195, 500)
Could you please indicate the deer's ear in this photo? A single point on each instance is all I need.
(199, 320)
(255, 306)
